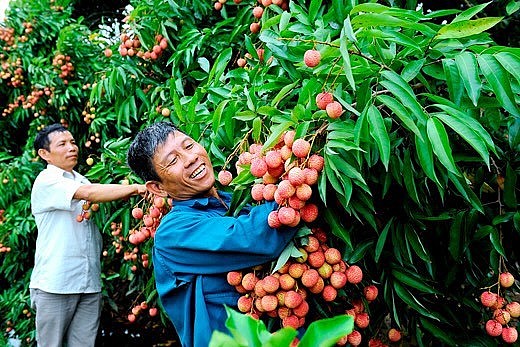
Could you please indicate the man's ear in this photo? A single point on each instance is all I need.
(43, 153)
(155, 188)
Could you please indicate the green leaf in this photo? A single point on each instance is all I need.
(465, 28)
(413, 280)
(516, 221)
(283, 93)
(219, 339)
(455, 86)
(401, 112)
(499, 82)
(219, 66)
(408, 175)
(313, 9)
(336, 227)
(378, 132)
(467, 67)
(440, 144)
(510, 62)
(343, 49)
(415, 242)
(470, 122)
(408, 298)
(349, 32)
(437, 332)
(366, 20)
(470, 12)
(382, 239)
(326, 332)
(412, 69)
(467, 133)
(456, 234)
(462, 186)
(245, 329)
(512, 7)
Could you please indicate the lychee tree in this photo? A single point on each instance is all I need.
(413, 112)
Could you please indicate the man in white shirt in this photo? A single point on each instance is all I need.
(66, 280)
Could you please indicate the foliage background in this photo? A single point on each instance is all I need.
(432, 222)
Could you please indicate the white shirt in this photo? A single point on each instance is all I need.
(68, 252)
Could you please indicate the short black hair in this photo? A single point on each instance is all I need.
(143, 147)
(42, 138)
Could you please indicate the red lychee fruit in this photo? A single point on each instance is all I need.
(273, 159)
(509, 334)
(309, 213)
(316, 162)
(241, 62)
(302, 309)
(286, 282)
(296, 270)
(296, 176)
(354, 274)
(316, 259)
(310, 277)
(269, 302)
(292, 299)
(370, 292)
(313, 244)
(394, 335)
(258, 11)
(506, 279)
(329, 293)
(332, 255)
(338, 279)
(312, 57)
(291, 321)
(354, 338)
(493, 328)
(301, 148)
(273, 221)
(501, 316)
(245, 303)
(296, 203)
(286, 215)
(325, 270)
(254, 27)
(488, 299)
(311, 176)
(323, 99)
(258, 167)
(285, 189)
(362, 320)
(318, 287)
(249, 280)
(137, 213)
(268, 191)
(303, 191)
(257, 191)
(288, 138)
(259, 289)
(225, 177)
(286, 152)
(270, 284)
(514, 309)
(234, 278)
(334, 110)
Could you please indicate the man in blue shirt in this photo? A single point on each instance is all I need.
(197, 243)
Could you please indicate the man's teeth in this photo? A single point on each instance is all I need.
(198, 171)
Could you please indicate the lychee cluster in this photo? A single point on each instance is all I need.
(89, 113)
(64, 66)
(149, 221)
(4, 249)
(12, 72)
(138, 310)
(503, 313)
(86, 211)
(325, 101)
(319, 273)
(285, 174)
(131, 46)
(7, 35)
(95, 138)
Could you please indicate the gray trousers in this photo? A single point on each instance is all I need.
(70, 320)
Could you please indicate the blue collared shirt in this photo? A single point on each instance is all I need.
(195, 246)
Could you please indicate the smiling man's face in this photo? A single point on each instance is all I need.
(184, 168)
(63, 151)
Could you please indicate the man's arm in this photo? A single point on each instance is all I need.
(98, 192)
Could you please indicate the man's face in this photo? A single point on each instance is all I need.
(63, 151)
(184, 167)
